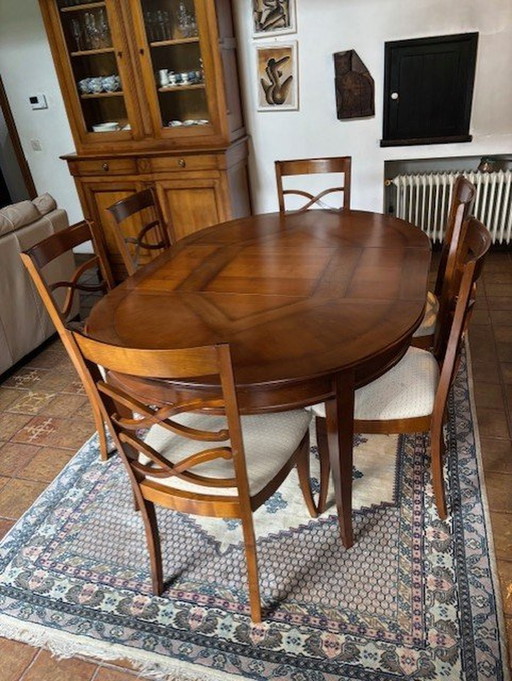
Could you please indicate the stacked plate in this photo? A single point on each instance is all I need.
(109, 126)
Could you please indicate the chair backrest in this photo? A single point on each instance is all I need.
(462, 197)
(119, 407)
(143, 237)
(451, 330)
(41, 254)
(310, 166)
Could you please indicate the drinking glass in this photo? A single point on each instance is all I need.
(77, 32)
(103, 29)
(149, 20)
(186, 21)
(91, 31)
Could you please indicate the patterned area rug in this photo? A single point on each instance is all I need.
(415, 598)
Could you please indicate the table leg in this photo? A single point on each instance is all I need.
(340, 436)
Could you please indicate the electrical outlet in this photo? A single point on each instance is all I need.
(36, 145)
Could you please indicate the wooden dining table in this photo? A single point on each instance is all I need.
(313, 304)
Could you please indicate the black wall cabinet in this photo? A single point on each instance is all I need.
(428, 89)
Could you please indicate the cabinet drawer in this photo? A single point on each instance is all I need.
(105, 166)
(185, 162)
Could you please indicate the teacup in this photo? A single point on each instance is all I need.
(96, 84)
(84, 86)
(109, 83)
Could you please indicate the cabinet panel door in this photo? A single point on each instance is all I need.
(98, 196)
(180, 64)
(192, 205)
(90, 51)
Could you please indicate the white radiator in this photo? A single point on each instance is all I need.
(424, 199)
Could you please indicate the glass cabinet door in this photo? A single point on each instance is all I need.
(176, 72)
(95, 60)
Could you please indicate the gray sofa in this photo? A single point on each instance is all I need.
(24, 322)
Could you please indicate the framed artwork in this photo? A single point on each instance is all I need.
(277, 78)
(273, 17)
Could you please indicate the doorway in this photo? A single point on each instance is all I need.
(16, 182)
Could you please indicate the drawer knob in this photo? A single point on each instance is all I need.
(182, 163)
(105, 167)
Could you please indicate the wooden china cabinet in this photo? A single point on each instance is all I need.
(152, 94)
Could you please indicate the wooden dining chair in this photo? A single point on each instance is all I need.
(462, 197)
(59, 297)
(310, 166)
(141, 232)
(215, 464)
(412, 396)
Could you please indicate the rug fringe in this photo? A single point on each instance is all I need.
(62, 645)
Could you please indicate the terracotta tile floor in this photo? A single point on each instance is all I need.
(44, 418)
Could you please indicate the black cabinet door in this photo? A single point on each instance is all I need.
(428, 89)
(5, 198)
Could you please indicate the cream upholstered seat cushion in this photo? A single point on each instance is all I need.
(428, 322)
(405, 391)
(269, 441)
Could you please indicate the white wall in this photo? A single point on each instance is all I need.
(324, 27)
(27, 68)
(328, 26)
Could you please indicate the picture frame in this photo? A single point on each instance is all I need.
(273, 17)
(277, 78)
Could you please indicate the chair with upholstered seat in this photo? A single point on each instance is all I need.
(141, 232)
(59, 297)
(193, 461)
(412, 396)
(462, 197)
(309, 166)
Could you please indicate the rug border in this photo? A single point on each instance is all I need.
(493, 562)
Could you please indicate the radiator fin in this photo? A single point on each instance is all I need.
(424, 199)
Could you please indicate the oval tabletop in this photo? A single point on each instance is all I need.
(296, 295)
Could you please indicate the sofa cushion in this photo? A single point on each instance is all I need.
(23, 213)
(44, 203)
(16, 215)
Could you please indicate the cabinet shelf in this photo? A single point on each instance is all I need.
(86, 5)
(93, 95)
(180, 88)
(178, 41)
(88, 53)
